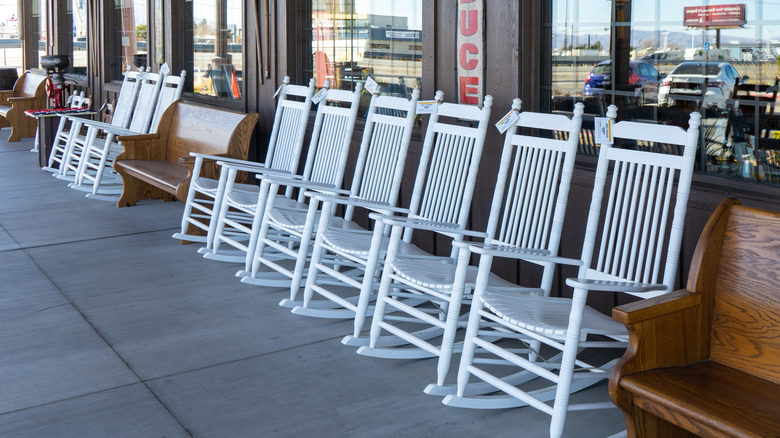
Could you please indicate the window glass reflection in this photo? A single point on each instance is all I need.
(354, 39)
(78, 59)
(660, 60)
(217, 48)
(130, 36)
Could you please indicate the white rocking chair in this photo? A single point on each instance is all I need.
(76, 101)
(640, 223)
(76, 143)
(375, 184)
(526, 215)
(201, 210)
(158, 92)
(325, 165)
(442, 193)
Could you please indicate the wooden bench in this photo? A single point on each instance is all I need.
(706, 360)
(159, 165)
(29, 93)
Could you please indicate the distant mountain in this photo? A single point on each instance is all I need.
(643, 38)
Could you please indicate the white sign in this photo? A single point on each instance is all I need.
(426, 106)
(406, 35)
(371, 85)
(471, 46)
(321, 94)
(508, 120)
(603, 130)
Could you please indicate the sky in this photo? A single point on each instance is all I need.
(593, 17)
(412, 9)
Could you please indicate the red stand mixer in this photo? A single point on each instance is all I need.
(55, 65)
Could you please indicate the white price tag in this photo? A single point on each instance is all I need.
(321, 94)
(371, 85)
(603, 130)
(278, 90)
(508, 120)
(164, 69)
(426, 106)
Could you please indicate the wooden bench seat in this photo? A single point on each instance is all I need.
(29, 93)
(703, 388)
(705, 361)
(159, 165)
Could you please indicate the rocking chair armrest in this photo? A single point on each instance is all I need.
(347, 199)
(513, 252)
(96, 124)
(447, 228)
(614, 286)
(297, 181)
(245, 166)
(399, 211)
(216, 157)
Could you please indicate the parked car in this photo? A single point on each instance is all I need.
(641, 75)
(714, 82)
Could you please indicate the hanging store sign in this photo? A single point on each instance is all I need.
(471, 51)
(714, 16)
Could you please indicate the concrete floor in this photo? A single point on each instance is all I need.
(110, 328)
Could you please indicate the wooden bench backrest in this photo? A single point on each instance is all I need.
(30, 85)
(745, 332)
(193, 128)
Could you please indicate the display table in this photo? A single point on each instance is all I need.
(48, 121)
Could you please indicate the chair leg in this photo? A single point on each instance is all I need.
(566, 373)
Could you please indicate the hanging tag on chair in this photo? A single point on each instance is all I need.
(603, 130)
(164, 69)
(371, 86)
(426, 106)
(321, 94)
(508, 120)
(278, 90)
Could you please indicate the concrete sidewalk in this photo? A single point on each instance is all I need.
(111, 328)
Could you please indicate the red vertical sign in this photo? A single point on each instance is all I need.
(470, 51)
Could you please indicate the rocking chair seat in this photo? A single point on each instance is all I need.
(439, 273)
(211, 185)
(358, 243)
(295, 219)
(548, 315)
(248, 199)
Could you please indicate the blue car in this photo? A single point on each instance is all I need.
(641, 74)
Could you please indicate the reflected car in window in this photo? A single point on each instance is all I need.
(713, 82)
(641, 75)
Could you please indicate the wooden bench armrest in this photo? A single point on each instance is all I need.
(141, 147)
(23, 103)
(137, 137)
(656, 307)
(21, 99)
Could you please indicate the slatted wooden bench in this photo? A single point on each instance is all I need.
(29, 93)
(706, 360)
(159, 165)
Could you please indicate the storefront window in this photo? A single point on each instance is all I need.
(41, 26)
(354, 39)
(9, 31)
(129, 37)
(217, 48)
(78, 14)
(660, 60)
